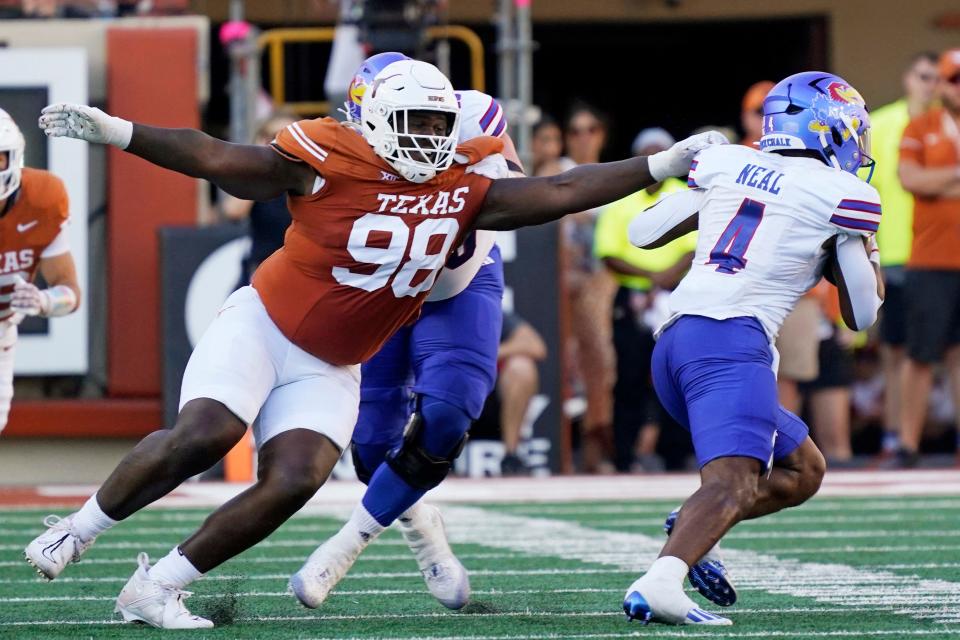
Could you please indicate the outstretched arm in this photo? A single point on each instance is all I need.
(251, 172)
(523, 202)
(673, 217)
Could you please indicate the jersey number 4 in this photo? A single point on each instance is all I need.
(730, 251)
(393, 259)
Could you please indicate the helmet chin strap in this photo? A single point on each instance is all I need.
(827, 151)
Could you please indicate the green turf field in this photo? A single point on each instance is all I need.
(847, 568)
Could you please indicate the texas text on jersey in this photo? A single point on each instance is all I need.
(31, 222)
(365, 248)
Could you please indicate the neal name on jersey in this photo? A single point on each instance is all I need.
(764, 219)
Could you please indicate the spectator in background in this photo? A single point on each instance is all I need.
(642, 277)
(589, 296)
(930, 170)
(518, 381)
(547, 147)
(887, 125)
(751, 112)
(828, 395)
(268, 220)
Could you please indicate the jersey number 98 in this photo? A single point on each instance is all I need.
(393, 260)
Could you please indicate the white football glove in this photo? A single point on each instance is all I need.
(85, 123)
(28, 299)
(676, 160)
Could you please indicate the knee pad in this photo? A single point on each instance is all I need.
(416, 461)
(363, 473)
(367, 457)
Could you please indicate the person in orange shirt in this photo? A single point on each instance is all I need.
(33, 212)
(378, 207)
(930, 170)
(751, 112)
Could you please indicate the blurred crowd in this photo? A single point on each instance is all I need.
(880, 398)
(20, 9)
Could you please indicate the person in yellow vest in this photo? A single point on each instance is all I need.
(643, 276)
(895, 234)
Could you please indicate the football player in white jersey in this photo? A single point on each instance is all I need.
(432, 377)
(771, 222)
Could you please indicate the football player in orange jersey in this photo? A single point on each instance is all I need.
(374, 219)
(33, 211)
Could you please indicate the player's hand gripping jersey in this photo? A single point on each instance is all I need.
(29, 230)
(763, 221)
(480, 115)
(365, 248)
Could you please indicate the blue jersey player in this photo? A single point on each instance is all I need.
(448, 360)
(771, 222)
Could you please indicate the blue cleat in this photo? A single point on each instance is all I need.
(709, 575)
(655, 599)
(636, 608)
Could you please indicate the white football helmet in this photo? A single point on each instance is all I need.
(11, 143)
(399, 89)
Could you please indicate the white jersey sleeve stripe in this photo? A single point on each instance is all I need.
(306, 143)
(495, 122)
(307, 140)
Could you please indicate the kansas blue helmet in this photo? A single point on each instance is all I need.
(363, 78)
(819, 112)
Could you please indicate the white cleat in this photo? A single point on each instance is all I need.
(159, 605)
(53, 550)
(652, 599)
(446, 577)
(325, 567)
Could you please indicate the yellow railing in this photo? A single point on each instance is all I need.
(275, 40)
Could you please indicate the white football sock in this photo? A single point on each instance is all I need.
(174, 569)
(412, 513)
(669, 567)
(362, 525)
(91, 521)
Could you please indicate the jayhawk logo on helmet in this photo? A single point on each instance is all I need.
(844, 93)
(361, 81)
(358, 87)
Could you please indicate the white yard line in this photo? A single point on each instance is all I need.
(934, 482)
(512, 614)
(354, 575)
(827, 583)
(366, 557)
(661, 632)
(297, 525)
(815, 505)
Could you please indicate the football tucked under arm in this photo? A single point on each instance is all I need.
(853, 268)
(674, 216)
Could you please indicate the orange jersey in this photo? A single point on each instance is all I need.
(364, 250)
(29, 224)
